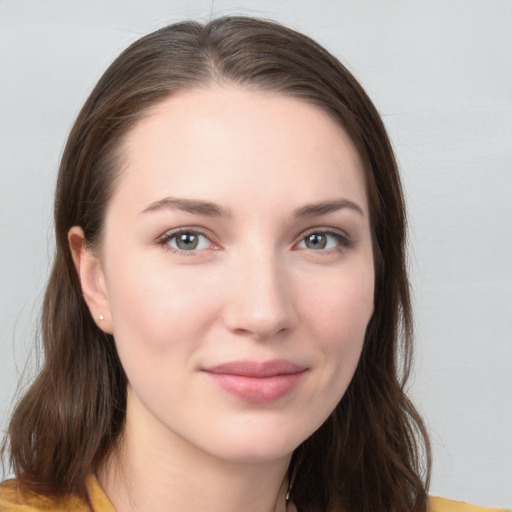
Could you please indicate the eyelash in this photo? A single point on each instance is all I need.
(164, 240)
(344, 241)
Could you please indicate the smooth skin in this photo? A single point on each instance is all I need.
(239, 231)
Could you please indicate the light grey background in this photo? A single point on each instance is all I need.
(440, 73)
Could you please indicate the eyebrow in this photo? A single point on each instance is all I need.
(210, 209)
(325, 207)
(189, 205)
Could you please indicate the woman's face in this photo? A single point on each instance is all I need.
(237, 271)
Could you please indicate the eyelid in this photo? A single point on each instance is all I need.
(163, 240)
(345, 241)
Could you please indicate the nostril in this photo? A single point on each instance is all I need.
(257, 327)
(259, 302)
(261, 321)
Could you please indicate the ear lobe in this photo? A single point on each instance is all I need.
(92, 279)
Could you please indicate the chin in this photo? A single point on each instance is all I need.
(255, 453)
(259, 442)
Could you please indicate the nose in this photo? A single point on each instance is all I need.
(260, 300)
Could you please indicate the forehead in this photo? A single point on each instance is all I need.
(228, 141)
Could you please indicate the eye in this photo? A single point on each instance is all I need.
(323, 241)
(185, 241)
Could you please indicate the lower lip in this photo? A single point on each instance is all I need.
(257, 390)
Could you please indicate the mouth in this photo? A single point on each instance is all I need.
(255, 381)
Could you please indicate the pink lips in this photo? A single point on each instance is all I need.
(257, 382)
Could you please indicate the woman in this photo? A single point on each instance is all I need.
(229, 299)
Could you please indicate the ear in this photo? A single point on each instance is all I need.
(92, 279)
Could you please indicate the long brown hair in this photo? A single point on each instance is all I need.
(372, 454)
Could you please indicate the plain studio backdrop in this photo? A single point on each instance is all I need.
(440, 73)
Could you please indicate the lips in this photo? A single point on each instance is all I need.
(257, 382)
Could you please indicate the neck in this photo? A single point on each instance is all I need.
(164, 473)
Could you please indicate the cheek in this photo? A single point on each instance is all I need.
(335, 313)
(338, 314)
(160, 318)
(341, 306)
(157, 309)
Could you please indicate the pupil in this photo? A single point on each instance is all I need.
(187, 241)
(316, 241)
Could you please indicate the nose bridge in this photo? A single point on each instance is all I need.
(260, 302)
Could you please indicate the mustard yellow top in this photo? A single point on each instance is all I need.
(14, 499)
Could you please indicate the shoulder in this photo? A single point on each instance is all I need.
(15, 498)
(437, 504)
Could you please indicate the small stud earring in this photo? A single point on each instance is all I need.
(101, 317)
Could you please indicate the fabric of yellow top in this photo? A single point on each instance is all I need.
(14, 499)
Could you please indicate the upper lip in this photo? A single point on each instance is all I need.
(256, 369)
